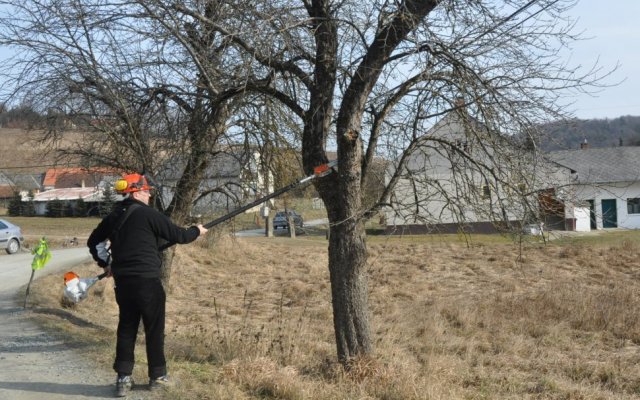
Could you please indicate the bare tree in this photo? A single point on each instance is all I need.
(147, 83)
(370, 78)
(366, 78)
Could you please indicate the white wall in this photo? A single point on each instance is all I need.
(40, 208)
(583, 219)
(620, 192)
(447, 188)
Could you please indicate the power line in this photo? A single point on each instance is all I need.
(40, 166)
(514, 14)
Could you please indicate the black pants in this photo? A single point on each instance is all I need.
(140, 298)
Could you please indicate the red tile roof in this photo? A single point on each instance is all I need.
(74, 177)
(6, 192)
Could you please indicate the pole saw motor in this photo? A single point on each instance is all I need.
(76, 288)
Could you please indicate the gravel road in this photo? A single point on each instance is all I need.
(35, 365)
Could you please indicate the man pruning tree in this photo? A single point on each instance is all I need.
(136, 232)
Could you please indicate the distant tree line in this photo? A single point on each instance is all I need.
(561, 135)
(20, 117)
(17, 207)
(57, 208)
(622, 131)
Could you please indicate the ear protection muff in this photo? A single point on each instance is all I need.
(121, 185)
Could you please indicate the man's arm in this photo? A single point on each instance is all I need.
(97, 244)
(174, 234)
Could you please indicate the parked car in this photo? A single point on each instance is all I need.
(10, 237)
(280, 220)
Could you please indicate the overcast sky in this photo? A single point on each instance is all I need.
(614, 32)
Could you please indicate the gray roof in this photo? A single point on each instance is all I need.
(601, 165)
(26, 181)
(223, 165)
(4, 180)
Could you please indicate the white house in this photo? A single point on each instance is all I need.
(69, 196)
(463, 176)
(70, 184)
(604, 180)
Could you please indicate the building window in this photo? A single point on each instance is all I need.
(485, 192)
(462, 145)
(633, 206)
(522, 187)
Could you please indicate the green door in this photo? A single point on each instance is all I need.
(592, 214)
(609, 214)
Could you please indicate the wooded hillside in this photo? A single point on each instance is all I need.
(597, 132)
(22, 148)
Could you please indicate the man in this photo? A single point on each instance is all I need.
(136, 232)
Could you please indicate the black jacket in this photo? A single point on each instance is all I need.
(135, 245)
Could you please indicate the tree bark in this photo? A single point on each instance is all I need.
(349, 290)
(167, 267)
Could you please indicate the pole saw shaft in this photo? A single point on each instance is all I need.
(250, 205)
(318, 172)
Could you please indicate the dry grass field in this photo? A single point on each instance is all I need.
(252, 319)
(57, 231)
(23, 150)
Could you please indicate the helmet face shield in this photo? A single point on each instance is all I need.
(132, 183)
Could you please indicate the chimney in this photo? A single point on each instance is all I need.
(584, 145)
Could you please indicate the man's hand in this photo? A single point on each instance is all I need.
(107, 269)
(202, 229)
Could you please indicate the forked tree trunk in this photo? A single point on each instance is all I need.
(179, 212)
(349, 290)
(347, 247)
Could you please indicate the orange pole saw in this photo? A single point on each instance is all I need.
(318, 172)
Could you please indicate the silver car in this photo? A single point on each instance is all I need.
(10, 237)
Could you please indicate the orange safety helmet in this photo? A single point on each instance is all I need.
(132, 183)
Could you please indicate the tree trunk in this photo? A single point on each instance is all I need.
(348, 257)
(349, 290)
(292, 226)
(205, 131)
(179, 211)
(167, 265)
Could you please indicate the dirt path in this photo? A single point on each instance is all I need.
(35, 365)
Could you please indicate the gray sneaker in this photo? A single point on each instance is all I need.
(159, 382)
(124, 383)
